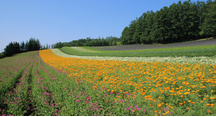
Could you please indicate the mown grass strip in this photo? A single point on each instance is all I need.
(193, 51)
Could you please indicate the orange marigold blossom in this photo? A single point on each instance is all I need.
(208, 104)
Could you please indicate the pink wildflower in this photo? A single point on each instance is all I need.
(144, 110)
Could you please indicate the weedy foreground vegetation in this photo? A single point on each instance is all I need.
(42, 83)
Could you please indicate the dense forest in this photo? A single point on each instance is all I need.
(15, 47)
(176, 23)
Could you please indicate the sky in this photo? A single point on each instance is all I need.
(53, 21)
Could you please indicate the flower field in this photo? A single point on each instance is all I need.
(142, 88)
(43, 83)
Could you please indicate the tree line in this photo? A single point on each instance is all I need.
(176, 23)
(15, 47)
(89, 42)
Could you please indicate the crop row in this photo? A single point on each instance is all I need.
(153, 87)
(44, 91)
(11, 69)
(193, 51)
(14, 92)
(182, 60)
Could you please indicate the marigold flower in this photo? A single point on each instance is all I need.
(208, 104)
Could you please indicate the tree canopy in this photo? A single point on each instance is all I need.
(176, 23)
(14, 47)
(89, 42)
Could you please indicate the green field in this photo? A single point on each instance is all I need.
(193, 51)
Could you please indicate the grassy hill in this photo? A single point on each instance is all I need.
(193, 51)
(206, 41)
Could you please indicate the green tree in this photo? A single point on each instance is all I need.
(143, 28)
(138, 31)
(130, 32)
(123, 36)
(22, 46)
(209, 25)
(175, 14)
(148, 22)
(9, 50)
(16, 48)
(159, 26)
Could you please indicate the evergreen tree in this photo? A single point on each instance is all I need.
(9, 50)
(138, 31)
(143, 28)
(148, 22)
(16, 48)
(130, 32)
(123, 36)
(175, 15)
(209, 25)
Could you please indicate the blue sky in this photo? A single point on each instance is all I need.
(52, 21)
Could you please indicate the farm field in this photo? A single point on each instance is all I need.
(181, 59)
(45, 83)
(192, 51)
(200, 42)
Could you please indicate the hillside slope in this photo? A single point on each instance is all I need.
(151, 46)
